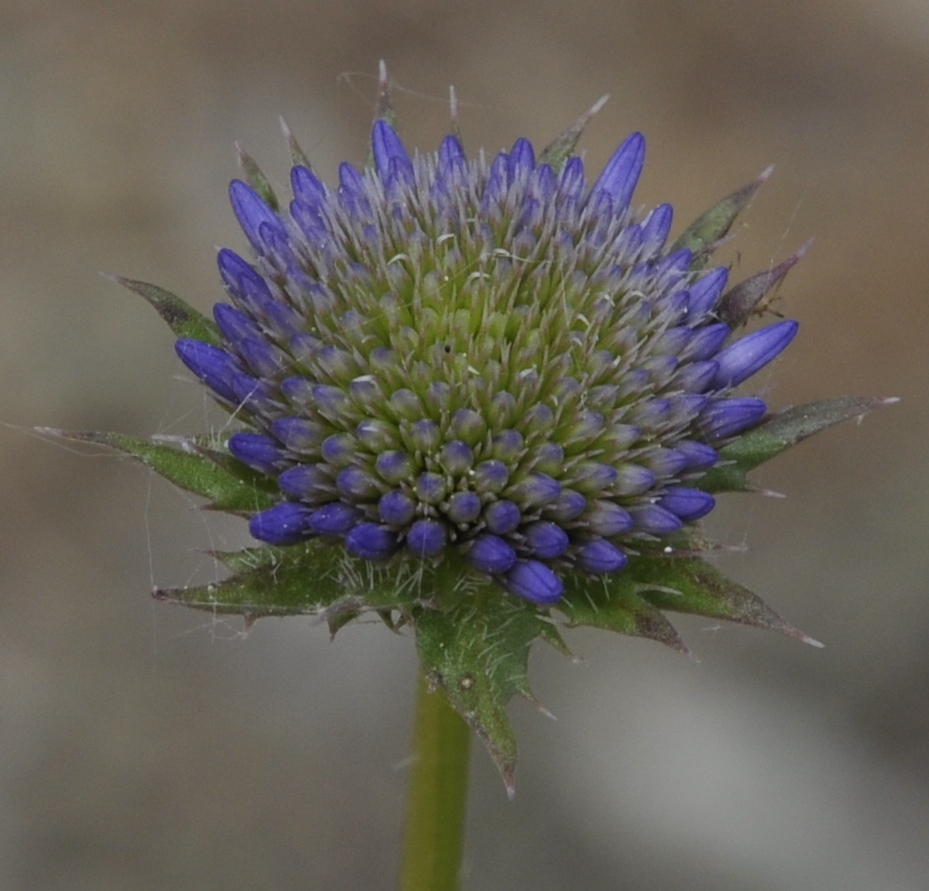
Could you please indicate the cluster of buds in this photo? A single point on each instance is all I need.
(485, 356)
(460, 379)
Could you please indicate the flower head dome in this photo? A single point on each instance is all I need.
(489, 357)
(459, 377)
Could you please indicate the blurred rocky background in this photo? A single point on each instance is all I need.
(146, 747)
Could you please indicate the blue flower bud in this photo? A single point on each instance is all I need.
(284, 524)
(566, 389)
(502, 517)
(621, 174)
(298, 391)
(358, 485)
(406, 404)
(685, 407)
(672, 341)
(308, 482)
(431, 488)
(688, 504)
(545, 540)
(743, 358)
(533, 581)
(298, 434)
(651, 414)
(521, 160)
(253, 395)
(592, 477)
(438, 394)
(490, 553)
(396, 508)
(307, 188)
(468, 425)
(394, 466)
(664, 462)
(607, 519)
(253, 214)
(696, 376)
(548, 458)
(264, 359)
(632, 479)
(571, 182)
(258, 451)
(335, 364)
(335, 518)
(340, 449)
(569, 505)
(490, 477)
(654, 519)
(586, 426)
(507, 446)
(726, 417)
(425, 436)
(309, 221)
(331, 402)
(599, 556)
(706, 342)
(352, 195)
(620, 437)
(535, 490)
(541, 419)
(366, 393)
(234, 325)
(376, 434)
(212, 365)
(427, 538)
(245, 286)
(463, 508)
(456, 457)
(502, 410)
(699, 455)
(656, 227)
(387, 148)
(705, 292)
(371, 541)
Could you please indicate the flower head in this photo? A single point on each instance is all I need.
(473, 391)
(486, 357)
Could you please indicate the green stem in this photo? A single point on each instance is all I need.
(434, 834)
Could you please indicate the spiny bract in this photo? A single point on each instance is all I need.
(490, 357)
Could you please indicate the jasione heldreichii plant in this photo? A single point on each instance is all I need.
(480, 398)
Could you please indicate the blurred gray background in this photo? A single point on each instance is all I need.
(145, 747)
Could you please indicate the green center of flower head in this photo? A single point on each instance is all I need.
(490, 358)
